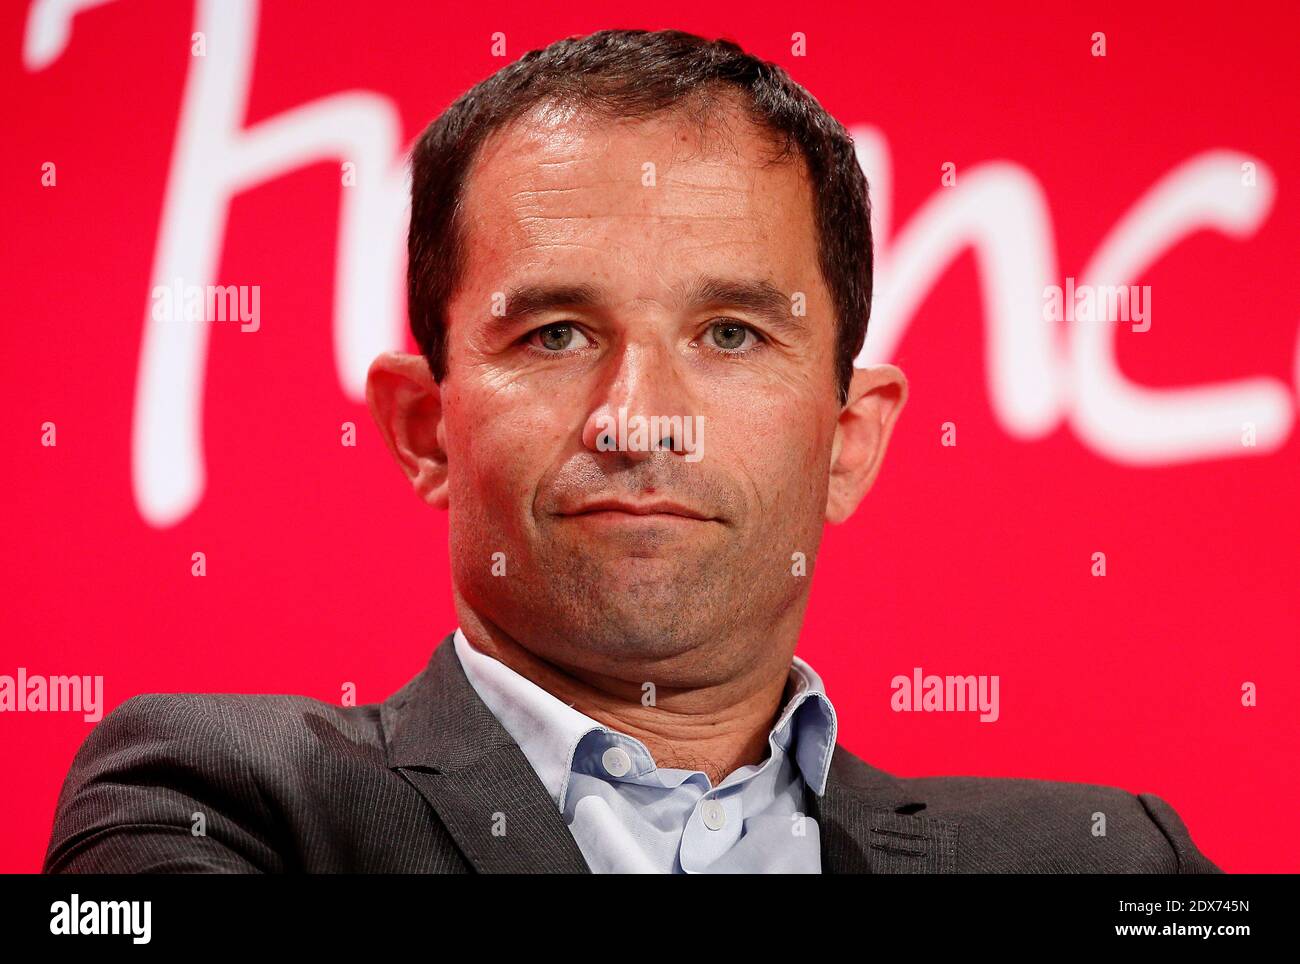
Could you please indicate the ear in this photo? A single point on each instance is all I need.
(876, 397)
(406, 404)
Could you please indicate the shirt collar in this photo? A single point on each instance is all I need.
(548, 730)
(808, 720)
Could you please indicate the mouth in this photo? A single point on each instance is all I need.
(659, 510)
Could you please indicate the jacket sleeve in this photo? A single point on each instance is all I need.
(158, 787)
(1189, 859)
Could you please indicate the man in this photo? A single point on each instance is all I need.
(639, 274)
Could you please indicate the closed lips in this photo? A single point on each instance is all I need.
(641, 508)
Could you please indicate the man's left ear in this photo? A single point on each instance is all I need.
(876, 397)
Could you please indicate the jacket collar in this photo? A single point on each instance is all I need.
(444, 740)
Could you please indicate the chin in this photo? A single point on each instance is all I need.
(634, 631)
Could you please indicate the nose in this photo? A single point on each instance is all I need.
(632, 415)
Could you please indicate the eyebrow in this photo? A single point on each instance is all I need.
(535, 299)
(761, 298)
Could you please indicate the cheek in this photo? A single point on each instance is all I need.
(497, 449)
(781, 451)
(775, 428)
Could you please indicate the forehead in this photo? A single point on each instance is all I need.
(636, 202)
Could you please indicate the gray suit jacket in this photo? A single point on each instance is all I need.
(413, 784)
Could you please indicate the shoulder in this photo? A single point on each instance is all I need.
(207, 782)
(201, 727)
(1044, 826)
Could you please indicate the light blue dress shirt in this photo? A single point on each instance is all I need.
(630, 816)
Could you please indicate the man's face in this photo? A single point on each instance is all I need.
(636, 243)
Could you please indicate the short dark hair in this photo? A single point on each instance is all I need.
(637, 73)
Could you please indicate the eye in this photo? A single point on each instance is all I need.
(731, 337)
(557, 338)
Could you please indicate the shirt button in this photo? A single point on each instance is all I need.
(715, 817)
(616, 761)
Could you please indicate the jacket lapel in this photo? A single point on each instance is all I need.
(445, 741)
(447, 744)
(870, 823)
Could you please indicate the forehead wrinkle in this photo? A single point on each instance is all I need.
(533, 226)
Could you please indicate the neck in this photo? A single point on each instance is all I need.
(715, 727)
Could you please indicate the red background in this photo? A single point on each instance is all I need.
(323, 567)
